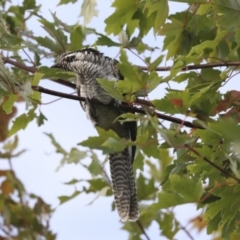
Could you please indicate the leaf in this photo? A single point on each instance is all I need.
(228, 12)
(29, 4)
(102, 192)
(73, 181)
(11, 145)
(77, 36)
(148, 190)
(56, 34)
(7, 187)
(169, 225)
(8, 104)
(107, 141)
(64, 199)
(160, 10)
(55, 74)
(48, 43)
(95, 167)
(41, 119)
(22, 121)
(88, 11)
(179, 190)
(123, 38)
(123, 14)
(109, 87)
(190, 1)
(58, 147)
(66, 2)
(105, 41)
(37, 77)
(97, 185)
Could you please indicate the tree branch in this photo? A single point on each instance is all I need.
(19, 65)
(144, 68)
(194, 67)
(212, 163)
(33, 70)
(185, 230)
(123, 106)
(142, 229)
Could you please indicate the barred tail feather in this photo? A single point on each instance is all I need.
(124, 187)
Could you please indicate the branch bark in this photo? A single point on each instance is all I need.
(123, 106)
(196, 66)
(144, 68)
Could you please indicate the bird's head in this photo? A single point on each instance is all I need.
(66, 61)
(72, 61)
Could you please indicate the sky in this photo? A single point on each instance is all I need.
(37, 167)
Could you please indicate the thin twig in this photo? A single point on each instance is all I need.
(19, 65)
(212, 163)
(186, 231)
(142, 229)
(123, 106)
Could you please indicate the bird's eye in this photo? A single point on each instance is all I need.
(70, 58)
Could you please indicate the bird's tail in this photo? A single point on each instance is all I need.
(124, 187)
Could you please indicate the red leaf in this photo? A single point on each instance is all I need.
(177, 102)
(232, 97)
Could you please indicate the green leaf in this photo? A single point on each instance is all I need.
(107, 141)
(88, 11)
(190, 1)
(37, 77)
(169, 225)
(228, 12)
(138, 161)
(74, 156)
(8, 104)
(160, 10)
(123, 14)
(95, 167)
(105, 41)
(58, 147)
(40, 119)
(11, 145)
(96, 185)
(110, 88)
(29, 4)
(66, 2)
(57, 34)
(77, 36)
(64, 199)
(179, 190)
(148, 189)
(73, 181)
(22, 121)
(55, 74)
(48, 43)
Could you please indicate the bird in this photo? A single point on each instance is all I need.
(90, 64)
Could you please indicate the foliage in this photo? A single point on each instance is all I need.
(199, 165)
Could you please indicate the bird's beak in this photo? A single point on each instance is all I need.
(56, 65)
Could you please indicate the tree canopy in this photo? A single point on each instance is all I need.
(189, 139)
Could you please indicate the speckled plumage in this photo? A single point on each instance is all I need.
(90, 64)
